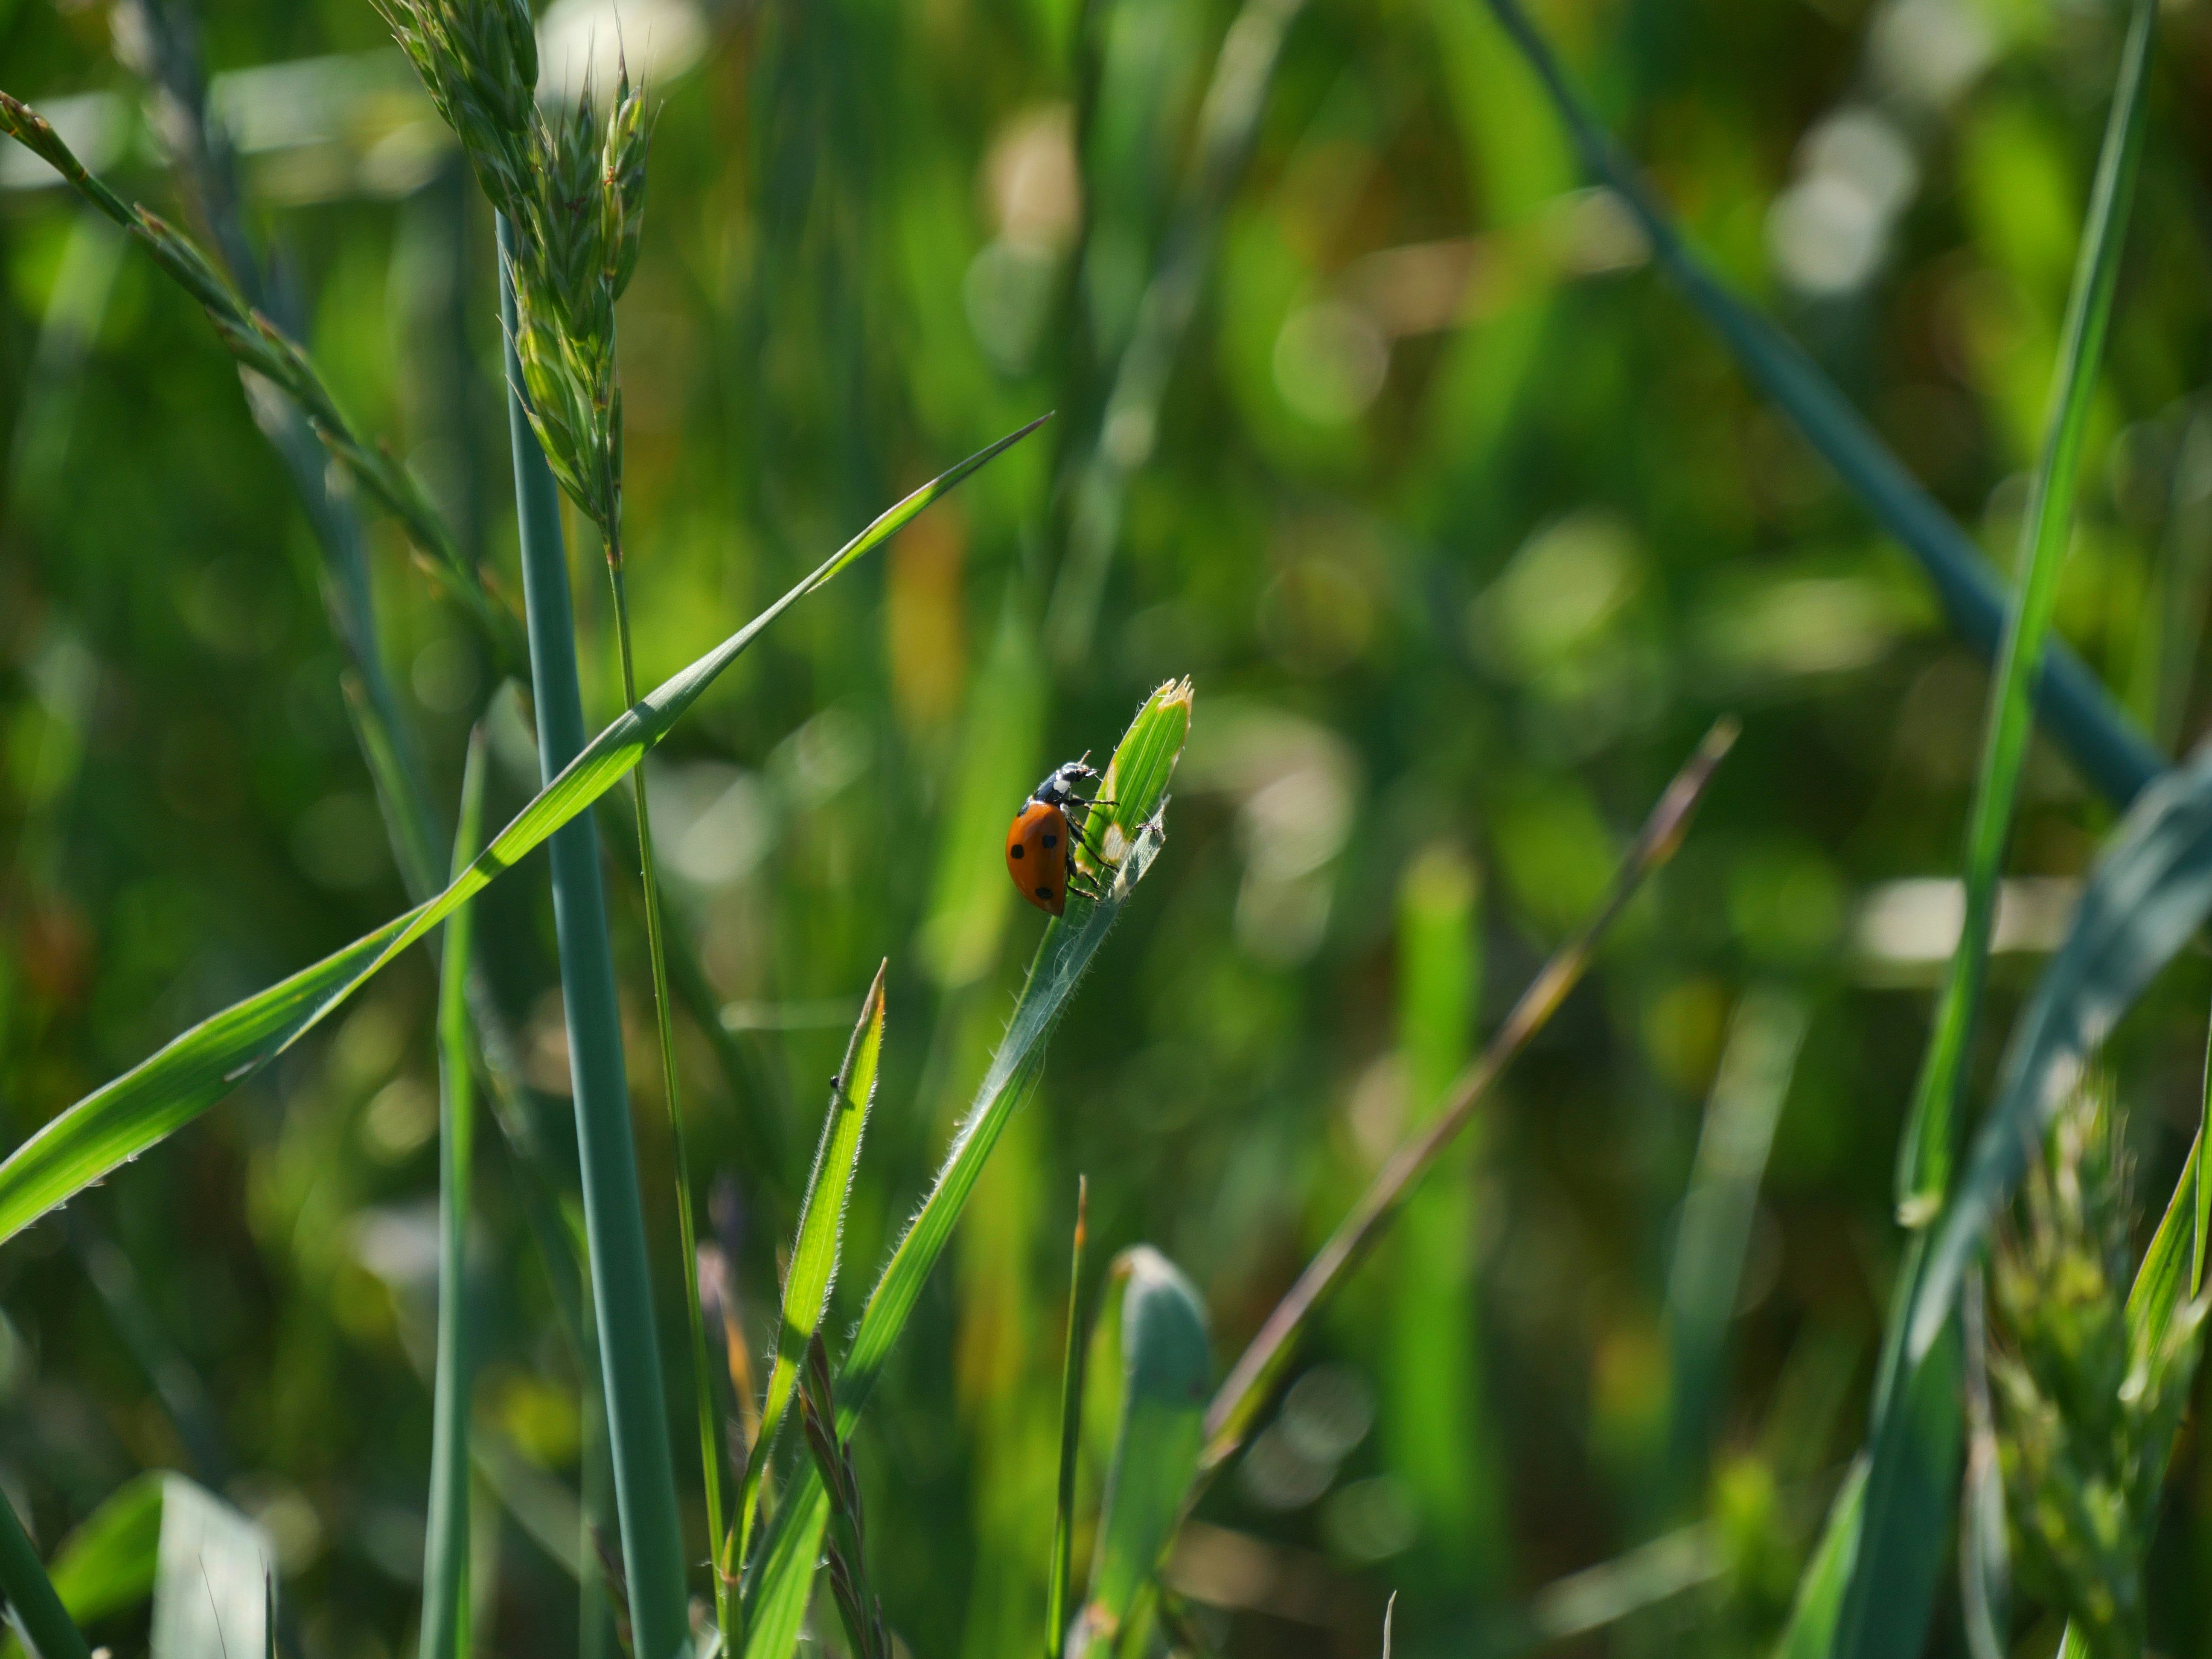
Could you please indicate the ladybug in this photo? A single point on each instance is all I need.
(1041, 845)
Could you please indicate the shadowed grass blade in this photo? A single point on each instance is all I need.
(1166, 1363)
(33, 1605)
(2079, 712)
(779, 1579)
(1245, 1392)
(121, 1119)
(815, 1250)
(106, 1565)
(446, 1543)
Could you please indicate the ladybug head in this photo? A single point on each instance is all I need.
(1059, 787)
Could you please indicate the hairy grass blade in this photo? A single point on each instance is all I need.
(815, 1250)
(446, 1543)
(2111, 753)
(212, 1587)
(33, 1606)
(1245, 1392)
(163, 1093)
(779, 1579)
(1166, 1363)
(1071, 1437)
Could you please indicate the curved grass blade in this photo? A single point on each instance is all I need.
(445, 1632)
(1070, 1436)
(1245, 1392)
(1925, 1153)
(34, 1607)
(815, 1250)
(2111, 753)
(779, 1578)
(1166, 1362)
(164, 1092)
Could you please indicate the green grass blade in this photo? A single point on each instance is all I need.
(778, 1582)
(1811, 1632)
(820, 1238)
(446, 1542)
(1925, 1154)
(1245, 1393)
(1071, 1437)
(34, 1607)
(1166, 1363)
(2080, 714)
(213, 1594)
(168, 1090)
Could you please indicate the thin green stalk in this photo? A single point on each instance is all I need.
(1927, 1152)
(446, 1545)
(33, 1605)
(1071, 1428)
(703, 1376)
(614, 1220)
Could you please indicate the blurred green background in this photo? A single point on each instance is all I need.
(1371, 419)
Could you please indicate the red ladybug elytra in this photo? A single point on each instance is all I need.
(1041, 846)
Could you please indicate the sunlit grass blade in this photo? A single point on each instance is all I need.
(1925, 1154)
(168, 1091)
(815, 1250)
(1245, 1392)
(2076, 710)
(779, 1577)
(445, 1632)
(33, 1605)
(1070, 1436)
(1166, 1363)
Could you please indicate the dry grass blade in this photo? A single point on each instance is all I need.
(1246, 1389)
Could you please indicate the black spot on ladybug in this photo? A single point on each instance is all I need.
(1015, 851)
(1049, 840)
(1044, 892)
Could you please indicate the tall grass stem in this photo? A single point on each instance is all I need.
(614, 1220)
